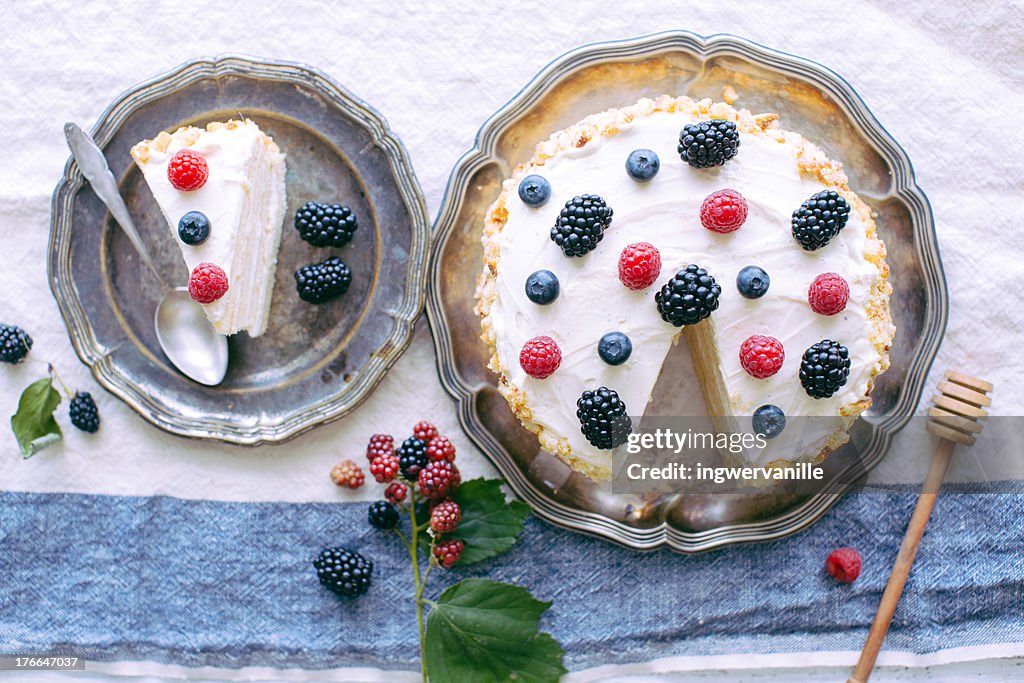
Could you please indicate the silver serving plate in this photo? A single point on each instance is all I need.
(315, 363)
(810, 99)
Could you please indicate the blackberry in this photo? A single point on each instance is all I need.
(438, 478)
(819, 219)
(325, 225)
(14, 343)
(603, 418)
(689, 297)
(412, 457)
(824, 368)
(382, 515)
(708, 143)
(581, 224)
(320, 282)
(445, 517)
(83, 412)
(344, 571)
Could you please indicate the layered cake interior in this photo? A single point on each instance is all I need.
(754, 351)
(227, 221)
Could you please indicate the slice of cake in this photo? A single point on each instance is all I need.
(222, 192)
(676, 219)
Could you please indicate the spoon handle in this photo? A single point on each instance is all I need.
(95, 169)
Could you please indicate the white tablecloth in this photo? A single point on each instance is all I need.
(944, 78)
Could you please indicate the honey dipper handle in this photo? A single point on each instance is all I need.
(904, 561)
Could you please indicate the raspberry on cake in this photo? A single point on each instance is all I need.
(797, 218)
(222, 191)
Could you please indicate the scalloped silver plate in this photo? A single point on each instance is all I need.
(315, 363)
(810, 99)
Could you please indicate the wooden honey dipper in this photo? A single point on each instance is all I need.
(955, 417)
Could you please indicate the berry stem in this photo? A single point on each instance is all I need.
(414, 555)
(54, 375)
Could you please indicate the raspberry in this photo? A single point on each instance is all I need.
(207, 283)
(449, 552)
(83, 412)
(382, 515)
(708, 143)
(344, 571)
(396, 492)
(384, 468)
(187, 170)
(14, 343)
(723, 211)
(639, 265)
(412, 457)
(445, 517)
(380, 444)
(540, 357)
(347, 473)
(762, 356)
(424, 431)
(843, 564)
(828, 294)
(603, 418)
(440, 448)
(581, 224)
(438, 479)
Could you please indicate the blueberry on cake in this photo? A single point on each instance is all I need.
(674, 218)
(222, 191)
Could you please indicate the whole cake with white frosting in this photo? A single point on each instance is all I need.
(222, 191)
(679, 218)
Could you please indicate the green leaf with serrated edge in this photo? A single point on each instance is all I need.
(490, 525)
(33, 424)
(485, 631)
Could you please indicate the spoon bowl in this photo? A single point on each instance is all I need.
(184, 335)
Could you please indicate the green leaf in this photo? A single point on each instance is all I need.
(490, 525)
(33, 424)
(484, 631)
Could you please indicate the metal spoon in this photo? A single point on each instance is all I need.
(185, 335)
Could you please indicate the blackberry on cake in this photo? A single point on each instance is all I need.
(581, 224)
(14, 343)
(603, 418)
(708, 143)
(819, 219)
(689, 297)
(824, 368)
(325, 225)
(320, 282)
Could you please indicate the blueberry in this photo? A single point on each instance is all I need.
(542, 287)
(752, 282)
(194, 228)
(642, 165)
(535, 190)
(614, 348)
(769, 420)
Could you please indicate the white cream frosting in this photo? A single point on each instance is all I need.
(665, 212)
(244, 200)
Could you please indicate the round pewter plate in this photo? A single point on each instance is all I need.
(314, 363)
(810, 99)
